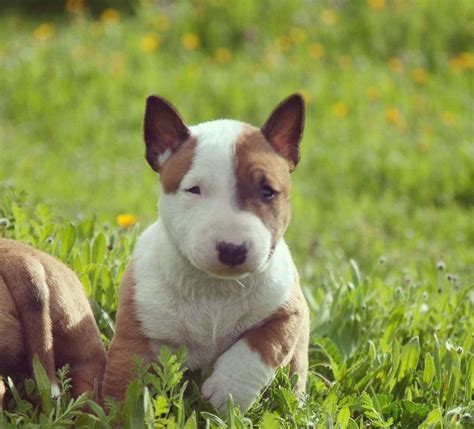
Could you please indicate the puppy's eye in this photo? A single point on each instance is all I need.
(267, 193)
(194, 190)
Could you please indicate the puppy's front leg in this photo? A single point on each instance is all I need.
(249, 365)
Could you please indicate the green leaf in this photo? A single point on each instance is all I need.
(161, 405)
(469, 380)
(191, 423)
(415, 409)
(437, 359)
(99, 412)
(43, 385)
(409, 357)
(355, 271)
(435, 416)
(133, 409)
(343, 417)
(99, 248)
(429, 371)
(453, 386)
(270, 421)
(67, 240)
(212, 418)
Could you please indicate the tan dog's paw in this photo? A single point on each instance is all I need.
(239, 372)
(55, 391)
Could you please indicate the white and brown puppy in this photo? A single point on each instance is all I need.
(214, 273)
(44, 312)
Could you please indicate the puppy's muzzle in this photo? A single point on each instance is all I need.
(232, 254)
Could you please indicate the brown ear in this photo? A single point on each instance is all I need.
(284, 128)
(163, 130)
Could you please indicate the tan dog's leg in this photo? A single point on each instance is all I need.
(26, 282)
(76, 335)
(80, 347)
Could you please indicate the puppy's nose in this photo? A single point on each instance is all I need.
(231, 254)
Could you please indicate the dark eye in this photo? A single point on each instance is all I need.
(194, 190)
(267, 193)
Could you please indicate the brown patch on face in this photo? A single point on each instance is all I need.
(259, 165)
(283, 337)
(128, 341)
(176, 166)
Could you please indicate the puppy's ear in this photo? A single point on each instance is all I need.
(284, 128)
(164, 131)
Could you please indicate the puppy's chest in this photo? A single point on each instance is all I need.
(207, 327)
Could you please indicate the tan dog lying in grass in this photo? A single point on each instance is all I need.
(44, 312)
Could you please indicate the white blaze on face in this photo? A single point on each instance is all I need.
(200, 223)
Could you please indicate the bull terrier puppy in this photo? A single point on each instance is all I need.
(214, 273)
(44, 312)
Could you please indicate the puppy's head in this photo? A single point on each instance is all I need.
(226, 184)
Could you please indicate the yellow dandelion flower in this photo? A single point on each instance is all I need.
(395, 64)
(377, 4)
(463, 61)
(126, 220)
(161, 23)
(419, 76)
(329, 17)
(339, 109)
(297, 35)
(393, 116)
(190, 41)
(447, 118)
(306, 95)
(222, 55)
(44, 31)
(150, 42)
(109, 16)
(466, 59)
(316, 50)
(75, 6)
(373, 93)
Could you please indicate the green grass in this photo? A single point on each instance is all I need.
(384, 191)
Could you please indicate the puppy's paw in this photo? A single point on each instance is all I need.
(239, 372)
(55, 391)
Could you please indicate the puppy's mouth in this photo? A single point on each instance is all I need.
(225, 274)
(220, 273)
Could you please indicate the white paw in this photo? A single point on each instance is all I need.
(55, 391)
(217, 388)
(239, 372)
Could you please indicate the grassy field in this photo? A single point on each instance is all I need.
(383, 220)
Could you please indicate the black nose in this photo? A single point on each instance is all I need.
(231, 254)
